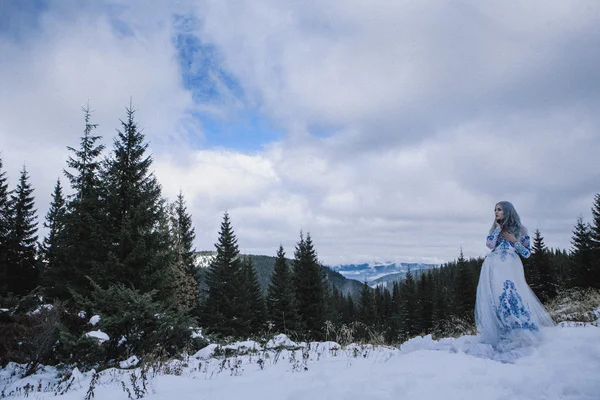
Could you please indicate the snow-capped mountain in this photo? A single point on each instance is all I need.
(204, 258)
(372, 272)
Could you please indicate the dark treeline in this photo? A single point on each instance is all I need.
(115, 247)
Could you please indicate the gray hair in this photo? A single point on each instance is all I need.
(511, 222)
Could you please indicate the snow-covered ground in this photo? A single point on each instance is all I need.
(566, 365)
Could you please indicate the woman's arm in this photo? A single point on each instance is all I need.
(523, 245)
(493, 238)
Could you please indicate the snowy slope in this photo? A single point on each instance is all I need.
(565, 366)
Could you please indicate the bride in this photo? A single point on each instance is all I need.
(507, 312)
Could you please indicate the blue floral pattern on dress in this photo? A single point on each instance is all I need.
(505, 248)
(511, 312)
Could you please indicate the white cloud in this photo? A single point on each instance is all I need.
(431, 112)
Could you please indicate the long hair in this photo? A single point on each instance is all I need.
(511, 222)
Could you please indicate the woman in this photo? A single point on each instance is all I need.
(507, 312)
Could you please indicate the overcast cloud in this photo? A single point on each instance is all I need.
(387, 129)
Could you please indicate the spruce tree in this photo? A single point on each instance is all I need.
(5, 223)
(581, 255)
(408, 306)
(252, 309)
(425, 302)
(55, 221)
(309, 287)
(79, 247)
(280, 297)
(183, 236)
(367, 309)
(595, 243)
(394, 331)
(22, 273)
(464, 294)
(139, 252)
(220, 311)
(542, 277)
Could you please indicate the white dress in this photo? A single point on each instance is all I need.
(507, 312)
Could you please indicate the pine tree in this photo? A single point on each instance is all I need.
(394, 324)
(22, 273)
(367, 310)
(55, 221)
(464, 294)
(220, 311)
(595, 243)
(425, 303)
(581, 255)
(139, 252)
(542, 277)
(183, 240)
(79, 247)
(309, 287)
(280, 297)
(5, 223)
(253, 310)
(408, 305)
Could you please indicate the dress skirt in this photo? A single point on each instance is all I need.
(507, 312)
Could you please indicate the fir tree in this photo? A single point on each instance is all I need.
(253, 310)
(581, 255)
(309, 287)
(22, 273)
(139, 253)
(183, 241)
(367, 310)
(5, 223)
(220, 311)
(55, 220)
(542, 282)
(280, 296)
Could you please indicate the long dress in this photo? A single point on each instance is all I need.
(507, 312)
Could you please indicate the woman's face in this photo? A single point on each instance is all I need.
(499, 212)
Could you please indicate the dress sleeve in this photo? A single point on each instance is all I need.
(523, 245)
(493, 238)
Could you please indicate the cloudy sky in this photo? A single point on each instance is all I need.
(386, 129)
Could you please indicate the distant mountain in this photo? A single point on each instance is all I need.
(264, 268)
(378, 273)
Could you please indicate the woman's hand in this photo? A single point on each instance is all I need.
(509, 236)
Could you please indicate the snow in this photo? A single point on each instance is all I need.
(101, 336)
(95, 320)
(566, 365)
(280, 340)
(130, 362)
